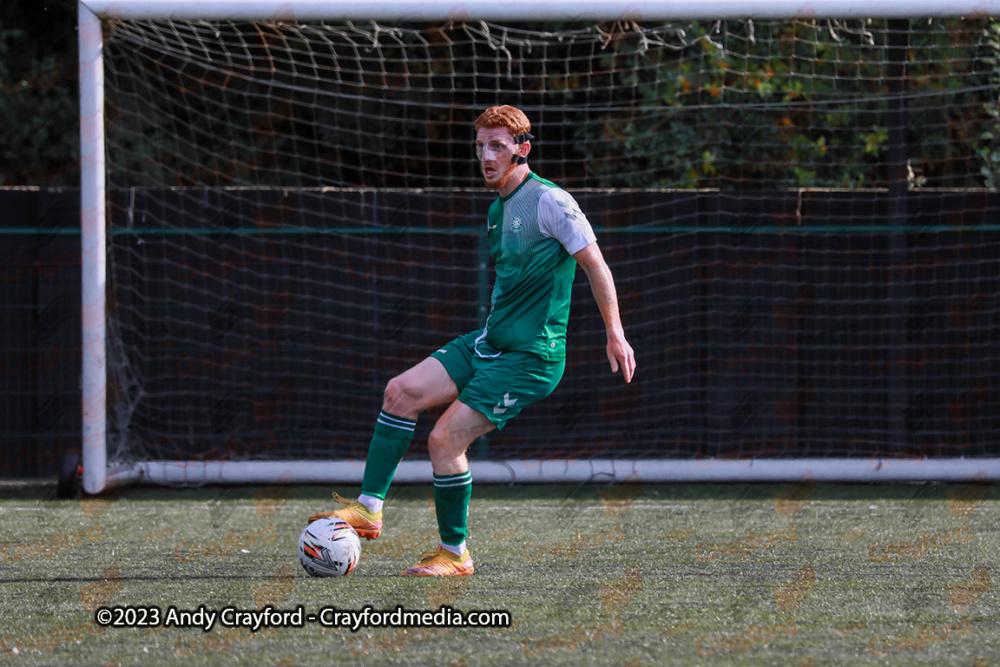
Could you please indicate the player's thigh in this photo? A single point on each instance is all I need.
(456, 429)
(418, 388)
(501, 388)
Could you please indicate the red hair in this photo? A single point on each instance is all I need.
(504, 116)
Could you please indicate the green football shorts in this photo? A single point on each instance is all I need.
(498, 385)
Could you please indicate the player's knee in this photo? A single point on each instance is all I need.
(438, 442)
(399, 398)
(447, 456)
(393, 393)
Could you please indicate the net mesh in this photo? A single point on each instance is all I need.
(800, 217)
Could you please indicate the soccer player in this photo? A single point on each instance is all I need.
(537, 236)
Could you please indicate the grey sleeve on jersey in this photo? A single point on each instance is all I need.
(560, 218)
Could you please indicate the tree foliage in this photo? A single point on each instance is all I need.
(796, 105)
(38, 94)
(724, 104)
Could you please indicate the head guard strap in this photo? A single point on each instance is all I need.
(520, 139)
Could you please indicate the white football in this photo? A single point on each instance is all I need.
(329, 548)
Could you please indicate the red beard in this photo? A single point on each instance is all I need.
(499, 182)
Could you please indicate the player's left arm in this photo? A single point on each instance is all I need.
(602, 284)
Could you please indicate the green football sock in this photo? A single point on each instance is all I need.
(389, 444)
(451, 499)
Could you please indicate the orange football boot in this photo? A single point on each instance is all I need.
(365, 523)
(441, 563)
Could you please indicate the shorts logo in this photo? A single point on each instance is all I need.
(501, 408)
(515, 224)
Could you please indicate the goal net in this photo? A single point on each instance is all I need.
(800, 215)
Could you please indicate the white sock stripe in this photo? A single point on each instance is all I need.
(439, 485)
(399, 420)
(402, 427)
(444, 478)
(445, 482)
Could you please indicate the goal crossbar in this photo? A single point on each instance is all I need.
(555, 10)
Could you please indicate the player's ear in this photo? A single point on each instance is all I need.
(521, 152)
(522, 143)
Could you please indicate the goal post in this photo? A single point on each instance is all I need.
(798, 200)
(93, 251)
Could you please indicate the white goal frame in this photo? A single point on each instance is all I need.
(98, 476)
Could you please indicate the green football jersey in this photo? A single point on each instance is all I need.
(533, 233)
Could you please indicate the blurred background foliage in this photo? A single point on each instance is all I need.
(38, 93)
(774, 113)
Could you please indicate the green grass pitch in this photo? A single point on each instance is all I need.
(630, 574)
